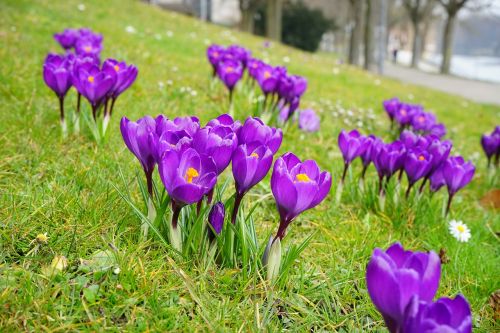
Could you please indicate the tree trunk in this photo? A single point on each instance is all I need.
(448, 43)
(356, 32)
(247, 23)
(368, 38)
(273, 19)
(416, 45)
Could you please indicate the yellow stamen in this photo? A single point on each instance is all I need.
(403, 112)
(254, 155)
(302, 177)
(421, 119)
(216, 54)
(87, 48)
(117, 68)
(460, 228)
(229, 69)
(91, 79)
(267, 75)
(421, 158)
(190, 174)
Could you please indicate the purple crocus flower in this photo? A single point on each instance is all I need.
(412, 140)
(491, 145)
(417, 164)
(423, 121)
(88, 47)
(457, 174)
(218, 142)
(214, 54)
(438, 130)
(225, 120)
(94, 85)
(391, 106)
(440, 150)
(352, 145)
(371, 143)
(394, 276)
(405, 114)
(176, 134)
(230, 72)
(240, 53)
(299, 85)
(268, 79)
(187, 177)
(254, 66)
(437, 179)
(57, 76)
(309, 121)
(141, 139)
(250, 164)
(297, 186)
(67, 38)
(125, 76)
(216, 219)
(388, 159)
(445, 315)
(254, 131)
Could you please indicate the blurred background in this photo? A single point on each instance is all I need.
(458, 37)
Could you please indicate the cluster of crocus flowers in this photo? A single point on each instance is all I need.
(228, 64)
(413, 116)
(191, 158)
(402, 285)
(421, 158)
(99, 84)
(282, 91)
(491, 146)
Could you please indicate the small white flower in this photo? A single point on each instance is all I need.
(157, 36)
(170, 33)
(194, 93)
(160, 84)
(459, 230)
(130, 29)
(286, 59)
(116, 270)
(377, 82)
(336, 71)
(174, 69)
(81, 7)
(170, 82)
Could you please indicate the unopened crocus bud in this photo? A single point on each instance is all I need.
(216, 219)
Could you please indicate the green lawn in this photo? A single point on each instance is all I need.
(65, 189)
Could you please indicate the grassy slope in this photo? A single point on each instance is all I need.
(63, 188)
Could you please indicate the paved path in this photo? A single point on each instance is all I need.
(482, 92)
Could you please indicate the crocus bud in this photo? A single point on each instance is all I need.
(216, 219)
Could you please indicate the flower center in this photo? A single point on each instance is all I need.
(403, 112)
(216, 54)
(302, 177)
(190, 174)
(87, 48)
(421, 119)
(254, 155)
(229, 69)
(91, 79)
(460, 228)
(117, 68)
(421, 158)
(267, 75)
